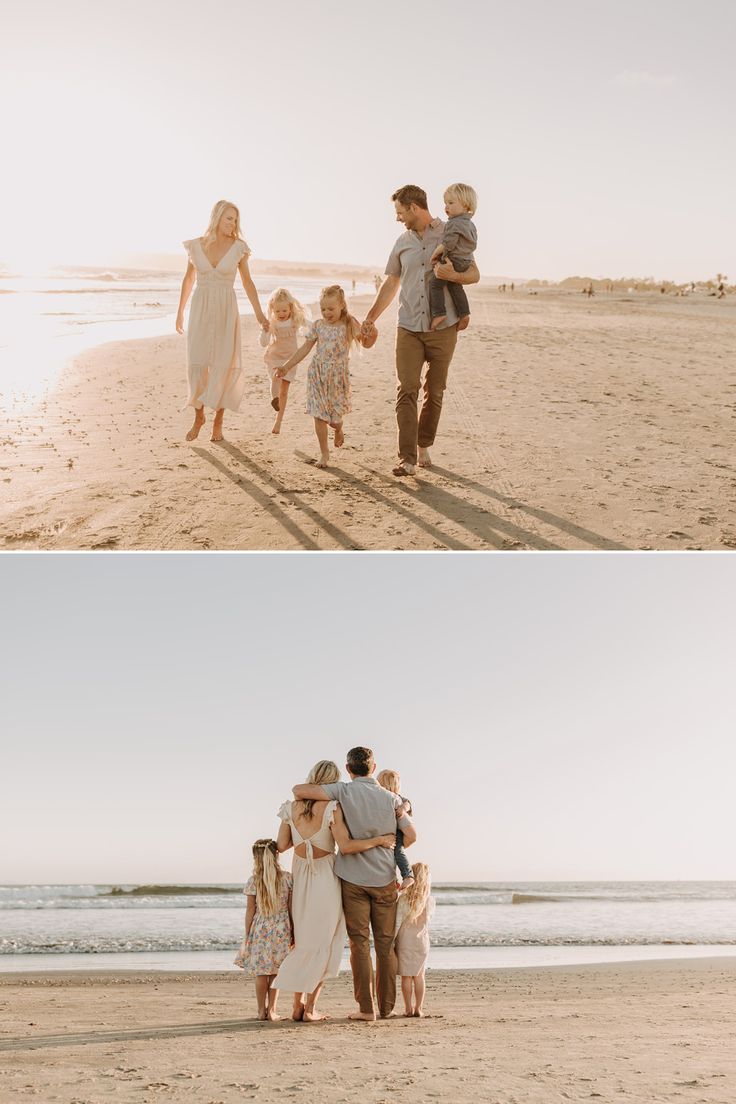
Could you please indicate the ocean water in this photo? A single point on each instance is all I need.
(46, 320)
(476, 924)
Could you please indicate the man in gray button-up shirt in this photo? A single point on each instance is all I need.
(369, 893)
(408, 271)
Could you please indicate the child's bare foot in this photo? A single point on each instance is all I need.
(409, 1012)
(368, 1016)
(272, 1015)
(314, 1017)
(339, 436)
(464, 322)
(275, 402)
(323, 460)
(437, 321)
(276, 428)
(418, 1012)
(407, 882)
(193, 433)
(262, 1014)
(217, 426)
(423, 458)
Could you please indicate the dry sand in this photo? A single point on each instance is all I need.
(643, 1032)
(568, 424)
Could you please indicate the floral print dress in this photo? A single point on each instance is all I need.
(328, 377)
(269, 942)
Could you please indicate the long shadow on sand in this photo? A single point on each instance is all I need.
(268, 501)
(596, 540)
(370, 492)
(491, 528)
(173, 1031)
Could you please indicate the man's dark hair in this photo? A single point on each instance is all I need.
(360, 761)
(409, 194)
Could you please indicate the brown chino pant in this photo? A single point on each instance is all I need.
(366, 908)
(413, 350)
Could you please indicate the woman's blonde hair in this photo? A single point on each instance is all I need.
(321, 774)
(464, 194)
(218, 211)
(267, 875)
(417, 894)
(334, 291)
(390, 780)
(298, 314)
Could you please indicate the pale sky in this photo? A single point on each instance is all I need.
(599, 137)
(553, 716)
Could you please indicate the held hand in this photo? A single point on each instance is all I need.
(368, 335)
(179, 324)
(444, 271)
(265, 324)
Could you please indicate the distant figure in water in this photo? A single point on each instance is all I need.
(213, 338)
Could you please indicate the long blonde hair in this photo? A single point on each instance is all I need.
(267, 875)
(390, 780)
(218, 211)
(298, 313)
(417, 894)
(322, 773)
(334, 291)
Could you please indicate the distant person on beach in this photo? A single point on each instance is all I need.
(213, 338)
(408, 271)
(286, 320)
(369, 893)
(328, 376)
(458, 245)
(391, 781)
(267, 925)
(413, 915)
(312, 828)
(377, 281)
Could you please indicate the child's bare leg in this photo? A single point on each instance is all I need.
(297, 1012)
(310, 1009)
(282, 396)
(406, 993)
(419, 989)
(262, 984)
(320, 428)
(339, 435)
(197, 424)
(217, 431)
(272, 997)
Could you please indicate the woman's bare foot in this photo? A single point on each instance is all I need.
(423, 458)
(193, 433)
(368, 1016)
(272, 1015)
(418, 1013)
(297, 1012)
(437, 321)
(339, 436)
(217, 426)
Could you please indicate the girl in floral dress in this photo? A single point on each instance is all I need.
(268, 928)
(286, 317)
(328, 378)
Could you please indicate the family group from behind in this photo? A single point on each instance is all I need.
(348, 839)
(428, 265)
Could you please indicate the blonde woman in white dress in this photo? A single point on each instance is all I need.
(313, 828)
(213, 338)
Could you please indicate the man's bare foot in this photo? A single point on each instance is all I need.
(193, 433)
(407, 882)
(314, 1017)
(339, 436)
(368, 1016)
(389, 1016)
(217, 427)
(402, 468)
(424, 459)
(437, 321)
(463, 323)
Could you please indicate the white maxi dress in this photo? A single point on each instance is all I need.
(214, 370)
(316, 908)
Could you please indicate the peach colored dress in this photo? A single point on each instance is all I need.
(316, 909)
(280, 343)
(412, 938)
(213, 335)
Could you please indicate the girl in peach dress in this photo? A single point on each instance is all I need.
(213, 337)
(413, 914)
(286, 319)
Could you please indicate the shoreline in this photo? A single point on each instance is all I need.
(567, 425)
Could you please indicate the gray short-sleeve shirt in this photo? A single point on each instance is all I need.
(369, 811)
(409, 260)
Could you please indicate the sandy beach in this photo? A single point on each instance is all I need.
(568, 424)
(645, 1032)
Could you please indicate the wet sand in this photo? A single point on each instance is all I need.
(568, 424)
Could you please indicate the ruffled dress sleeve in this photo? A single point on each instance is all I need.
(285, 811)
(312, 332)
(189, 246)
(250, 887)
(244, 250)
